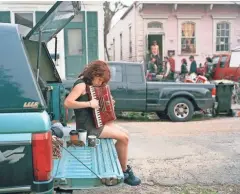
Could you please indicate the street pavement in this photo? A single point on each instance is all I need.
(192, 157)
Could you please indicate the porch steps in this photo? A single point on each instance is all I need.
(70, 174)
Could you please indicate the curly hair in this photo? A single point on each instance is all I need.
(96, 68)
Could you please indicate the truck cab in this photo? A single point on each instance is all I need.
(32, 97)
(227, 66)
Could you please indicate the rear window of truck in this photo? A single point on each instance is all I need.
(134, 73)
(116, 73)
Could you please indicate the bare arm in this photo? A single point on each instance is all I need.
(70, 101)
(168, 69)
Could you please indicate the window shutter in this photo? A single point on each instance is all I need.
(5, 17)
(39, 15)
(92, 35)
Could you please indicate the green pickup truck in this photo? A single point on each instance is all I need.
(31, 100)
(132, 92)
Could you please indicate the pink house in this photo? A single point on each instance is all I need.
(187, 28)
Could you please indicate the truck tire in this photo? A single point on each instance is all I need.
(180, 110)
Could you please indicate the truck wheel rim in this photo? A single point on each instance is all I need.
(181, 110)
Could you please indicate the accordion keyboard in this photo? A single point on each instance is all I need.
(96, 110)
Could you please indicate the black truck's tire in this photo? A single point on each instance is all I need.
(180, 110)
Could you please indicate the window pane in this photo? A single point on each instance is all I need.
(218, 48)
(74, 42)
(227, 26)
(215, 60)
(222, 47)
(218, 33)
(227, 32)
(222, 41)
(218, 40)
(226, 40)
(154, 25)
(25, 19)
(134, 74)
(116, 73)
(188, 29)
(188, 40)
(222, 32)
(218, 26)
(223, 60)
(227, 47)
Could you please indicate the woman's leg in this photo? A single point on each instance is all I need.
(121, 135)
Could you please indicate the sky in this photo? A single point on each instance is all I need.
(117, 17)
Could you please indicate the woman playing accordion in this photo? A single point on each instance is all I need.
(97, 74)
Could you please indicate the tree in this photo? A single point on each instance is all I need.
(109, 12)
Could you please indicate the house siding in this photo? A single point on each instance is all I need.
(202, 15)
(122, 27)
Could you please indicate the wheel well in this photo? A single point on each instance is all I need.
(196, 108)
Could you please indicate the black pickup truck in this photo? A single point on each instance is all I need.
(132, 92)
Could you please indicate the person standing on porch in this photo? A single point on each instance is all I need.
(155, 52)
(193, 66)
(155, 48)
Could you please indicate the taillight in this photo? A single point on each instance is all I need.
(42, 156)
(214, 92)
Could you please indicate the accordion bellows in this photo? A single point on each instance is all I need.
(106, 111)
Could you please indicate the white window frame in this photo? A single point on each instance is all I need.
(217, 20)
(13, 16)
(184, 19)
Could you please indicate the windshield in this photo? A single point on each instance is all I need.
(215, 60)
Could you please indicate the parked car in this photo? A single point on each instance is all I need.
(133, 92)
(31, 99)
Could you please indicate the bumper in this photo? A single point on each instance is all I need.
(45, 187)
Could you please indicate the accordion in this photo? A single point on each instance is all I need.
(106, 112)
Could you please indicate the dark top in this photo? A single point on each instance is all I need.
(193, 67)
(184, 69)
(84, 116)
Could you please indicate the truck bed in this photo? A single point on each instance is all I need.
(70, 174)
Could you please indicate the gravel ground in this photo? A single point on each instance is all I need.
(199, 157)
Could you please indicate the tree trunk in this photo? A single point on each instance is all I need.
(105, 46)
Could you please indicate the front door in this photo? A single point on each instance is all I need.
(159, 39)
(75, 49)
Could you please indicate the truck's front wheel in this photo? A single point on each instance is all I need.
(180, 110)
